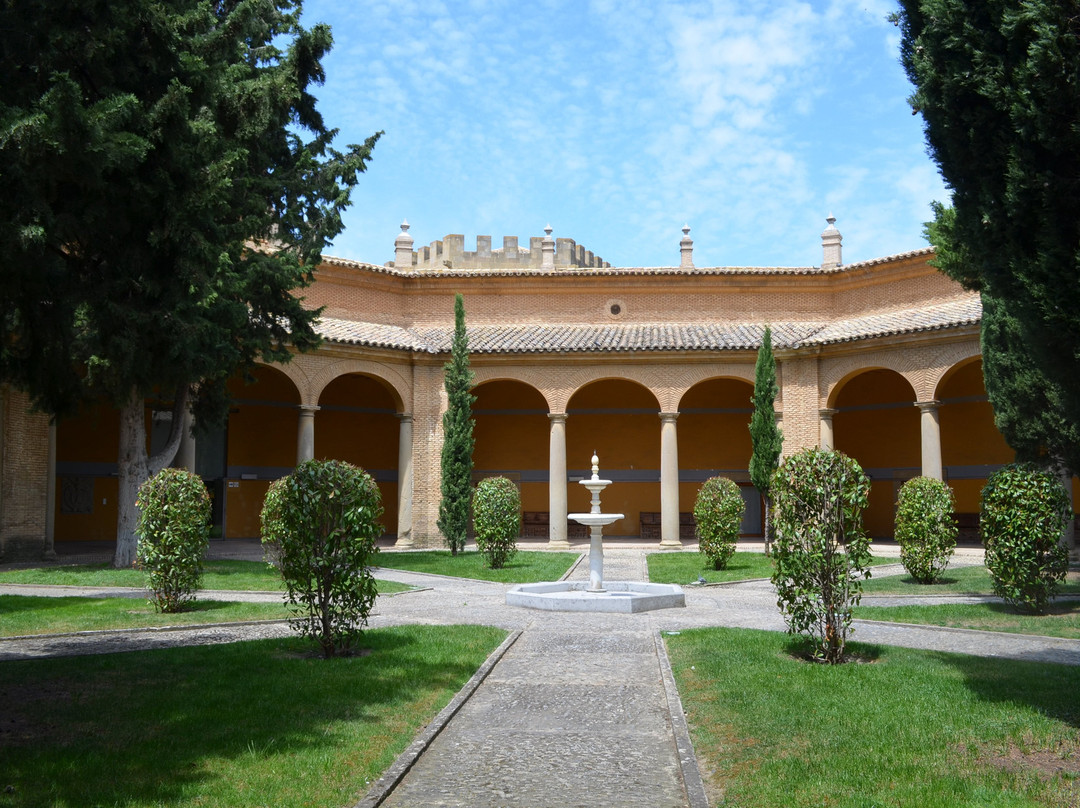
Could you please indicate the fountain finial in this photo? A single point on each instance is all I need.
(595, 466)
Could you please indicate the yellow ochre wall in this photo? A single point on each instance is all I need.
(619, 420)
(512, 438)
(92, 436)
(357, 423)
(262, 434)
(877, 424)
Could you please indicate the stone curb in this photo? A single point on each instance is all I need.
(389, 780)
(684, 746)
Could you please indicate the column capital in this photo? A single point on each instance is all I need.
(928, 406)
(668, 417)
(308, 409)
(557, 417)
(404, 417)
(827, 412)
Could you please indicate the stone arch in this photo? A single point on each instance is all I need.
(922, 365)
(577, 379)
(389, 375)
(293, 372)
(532, 379)
(857, 368)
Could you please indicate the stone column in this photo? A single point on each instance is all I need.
(305, 438)
(405, 480)
(826, 415)
(931, 438)
(669, 481)
(557, 539)
(50, 497)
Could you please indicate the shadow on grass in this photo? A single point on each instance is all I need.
(1046, 687)
(164, 726)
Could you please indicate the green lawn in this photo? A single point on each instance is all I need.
(244, 576)
(902, 728)
(21, 614)
(236, 575)
(245, 724)
(684, 568)
(527, 566)
(1061, 620)
(955, 581)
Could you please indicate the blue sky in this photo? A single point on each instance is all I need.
(617, 121)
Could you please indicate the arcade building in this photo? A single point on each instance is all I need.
(650, 367)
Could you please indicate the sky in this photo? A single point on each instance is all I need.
(619, 121)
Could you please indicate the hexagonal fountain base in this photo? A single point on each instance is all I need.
(619, 596)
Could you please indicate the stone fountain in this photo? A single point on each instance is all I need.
(576, 596)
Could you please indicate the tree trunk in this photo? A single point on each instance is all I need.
(135, 467)
(767, 527)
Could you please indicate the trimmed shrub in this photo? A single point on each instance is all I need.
(925, 528)
(821, 553)
(1022, 520)
(718, 512)
(496, 519)
(173, 531)
(319, 525)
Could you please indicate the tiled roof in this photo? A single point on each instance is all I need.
(720, 336)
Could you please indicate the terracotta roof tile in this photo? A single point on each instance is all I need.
(616, 337)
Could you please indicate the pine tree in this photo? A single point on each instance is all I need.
(458, 440)
(765, 435)
(168, 185)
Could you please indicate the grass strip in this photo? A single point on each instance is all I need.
(686, 568)
(238, 576)
(33, 615)
(1061, 620)
(954, 581)
(248, 576)
(526, 567)
(254, 723)
(900, 728)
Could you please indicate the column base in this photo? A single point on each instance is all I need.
(669, 544)
(559, 545)
(403, 542)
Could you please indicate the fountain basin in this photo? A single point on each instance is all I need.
(627, 597)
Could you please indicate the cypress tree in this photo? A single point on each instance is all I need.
(458, 440)
(996, 85)
(765, 435)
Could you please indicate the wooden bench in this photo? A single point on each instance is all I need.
(967, 528)
(649, 524)
(537, 525)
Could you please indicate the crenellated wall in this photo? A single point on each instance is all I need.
(450, 253)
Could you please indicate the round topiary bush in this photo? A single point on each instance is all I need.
(925, 528)
(319, 525)
(1022, 520)
(821, 553)
(173, 531)
(718, 512)
(496, 519)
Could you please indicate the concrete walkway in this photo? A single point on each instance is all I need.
(575, 708)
